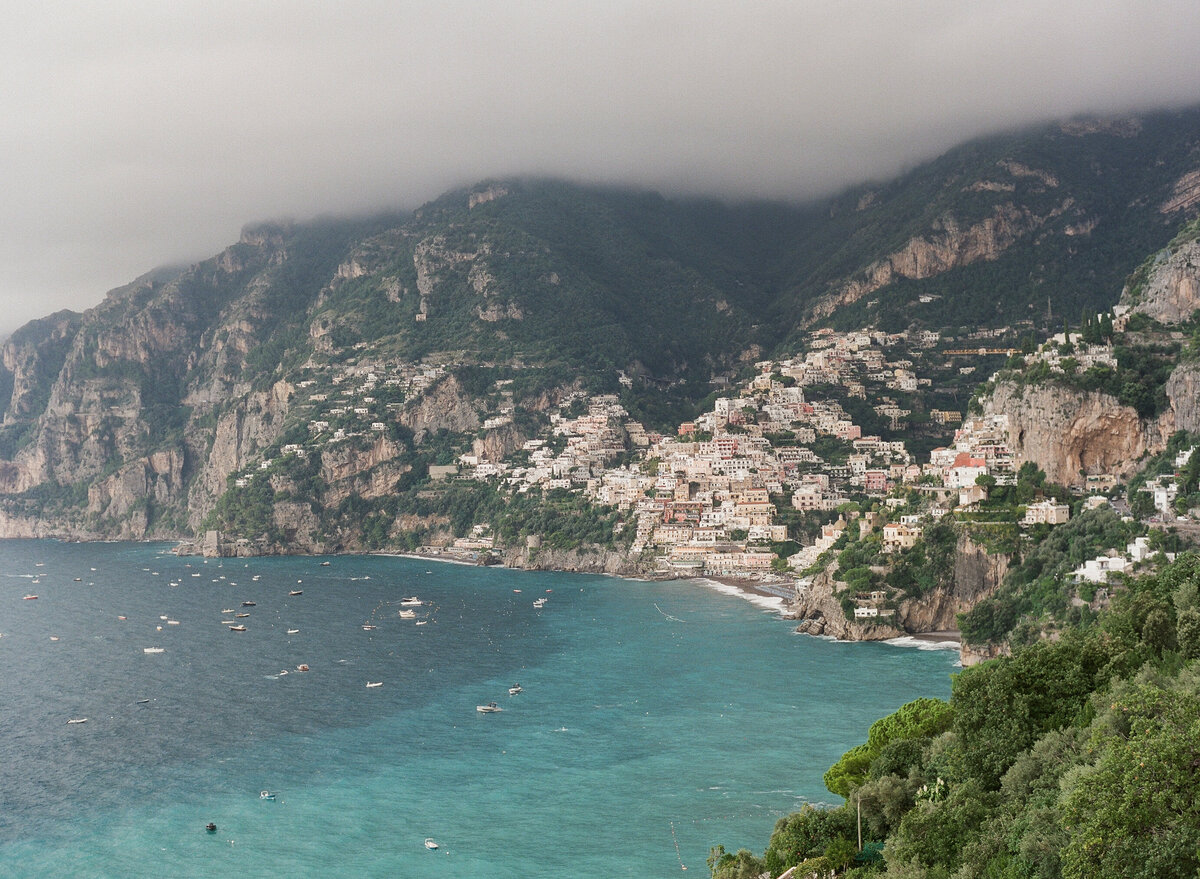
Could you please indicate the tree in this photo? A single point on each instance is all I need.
(1133, 814)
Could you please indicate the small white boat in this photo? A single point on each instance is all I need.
(172, 622)
(490, 708)
(241, 616)
(293, 631)
(266, 795)
(227, 610)
(30, 597)
(430, 844)
(408, 614)
(77, 720)
(514, 689)
(153, 649)
(367, 627)
(296, 592)
(422, 622)
(411, 601)
(541, 602)
(237, 628)
(302, 667)
(373, 684)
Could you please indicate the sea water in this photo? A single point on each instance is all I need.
(655, 719)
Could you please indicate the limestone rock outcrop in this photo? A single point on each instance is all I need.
(1171, 293)
(1068, 432)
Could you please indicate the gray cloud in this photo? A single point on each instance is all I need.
(140, 133)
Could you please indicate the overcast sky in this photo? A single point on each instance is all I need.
(137, 134)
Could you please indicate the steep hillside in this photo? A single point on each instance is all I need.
(1037, 226)
(494, 304)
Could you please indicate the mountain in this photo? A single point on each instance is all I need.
(140, 416)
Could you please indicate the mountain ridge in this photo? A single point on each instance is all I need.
(130, 418)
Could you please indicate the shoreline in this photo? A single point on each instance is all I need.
(745, 588)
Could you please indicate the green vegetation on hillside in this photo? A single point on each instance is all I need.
(1073, 758)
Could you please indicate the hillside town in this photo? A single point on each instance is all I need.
(762, 484)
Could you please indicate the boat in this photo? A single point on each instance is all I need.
(293, 631)
(302, 667)
(249, 603)
(77, 720)
(422, 622)
(514, 689)
(30, 597)
(411, 601)
(153, 649)
(227, 610)
(371, 684)
(490, 708)
(266, 795)
(540, 602)
(324, 564)
(408, 614)
(172, 622)
(143, 701)
(241, 616)
(210, 827)
(430, 844)
(238, 628)
(296, 592)
(367, 627)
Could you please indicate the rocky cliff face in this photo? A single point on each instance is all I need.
(1067, 432)
(977, 573)
(1171, 293)
(947, 246)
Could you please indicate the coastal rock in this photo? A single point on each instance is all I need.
(977, 574)
(592, 561)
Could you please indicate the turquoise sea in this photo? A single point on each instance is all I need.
(656, 719)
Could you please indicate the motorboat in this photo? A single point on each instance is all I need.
(514, 689)
(30, 597)
(367, 627)
(241, 616)
(153, 649)
(293, 631)
(490, 708)
(266, 795)
(172, 622)
(422, 622)
(227, 610)
(302, 667)
(540, 602)
(77, 720)
(296, 592)
(324, 564)
(249, 603)
(408, 614)
(373, 684)
(411, 601)
(430, 844)
(238, 628)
